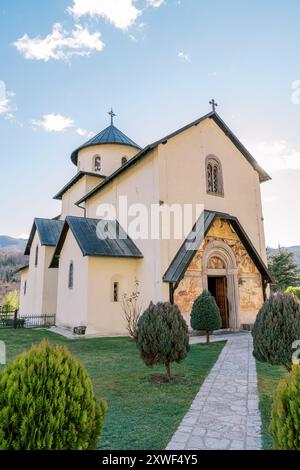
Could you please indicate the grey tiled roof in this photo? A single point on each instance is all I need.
(110, 135)
(49, 231)
(92, 236)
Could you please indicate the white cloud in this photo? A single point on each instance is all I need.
(183, 56)
(132, 38)
(121, 13)
(275, 155)
(7, 106)
(53, 123)
(59, 44)
(84, 132)
(155, 3)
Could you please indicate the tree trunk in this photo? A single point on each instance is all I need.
(207, 337)
(168, 367)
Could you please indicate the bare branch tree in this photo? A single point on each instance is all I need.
(132, 309)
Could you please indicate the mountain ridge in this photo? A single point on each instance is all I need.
(12, 244)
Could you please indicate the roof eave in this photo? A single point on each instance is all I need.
(263, 175)
(256, 258)
(73, 181)
(74, 154)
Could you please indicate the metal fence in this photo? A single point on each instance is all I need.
(12, 319)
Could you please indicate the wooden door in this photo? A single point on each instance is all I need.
(221, 299)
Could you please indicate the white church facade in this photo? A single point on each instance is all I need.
(81, 277)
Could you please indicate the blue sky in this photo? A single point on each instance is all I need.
(64, 63)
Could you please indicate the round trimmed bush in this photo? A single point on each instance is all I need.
(162, 335)
(47, 402)
(276, 327)
(205, 314)
(285, 422)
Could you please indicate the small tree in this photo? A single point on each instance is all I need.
(11, 301)
(206, 314)
(47, 402)
(162, 335)
(276, 328)
(294, 290)
(284, 270)
(285, 420)
(132, 309)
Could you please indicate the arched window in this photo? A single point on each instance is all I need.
(25, 287)
(214, 177)
(124, 160)
(36, 258)
(71, 275)
(97, 165)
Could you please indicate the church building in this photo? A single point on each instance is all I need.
(81, 276)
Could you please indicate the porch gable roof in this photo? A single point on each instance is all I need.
(184, 256)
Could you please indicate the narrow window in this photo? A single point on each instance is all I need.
(214, 178)
(124, 160)
(97, 165)
(25, 287)
(116, 292)
(71, 275)
(36, 259)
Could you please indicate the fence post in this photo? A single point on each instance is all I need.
(16, 319)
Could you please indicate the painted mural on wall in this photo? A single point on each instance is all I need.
(250, 282)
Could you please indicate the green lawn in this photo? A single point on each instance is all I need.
(268, 378)
(142, 415)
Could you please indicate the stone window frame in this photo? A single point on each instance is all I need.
(220, 249)
(216, 163)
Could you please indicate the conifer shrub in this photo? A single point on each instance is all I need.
(276, 328)
(205, 314)
(162, 335)
(47, 402)
(285, 421)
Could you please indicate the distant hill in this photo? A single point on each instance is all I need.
(293, 249)
(12, 244)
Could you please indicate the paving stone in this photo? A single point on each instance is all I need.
(196, 442)
(216, 444)
(187, 429)
(225, 412)
(237, 445)
(181, 437)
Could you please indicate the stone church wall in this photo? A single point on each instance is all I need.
(249, 278)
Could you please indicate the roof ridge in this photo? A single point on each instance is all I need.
(211, 115)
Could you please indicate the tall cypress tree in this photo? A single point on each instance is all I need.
(284, 270)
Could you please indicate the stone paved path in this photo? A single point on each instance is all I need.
(225, 413)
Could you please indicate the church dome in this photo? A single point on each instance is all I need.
(110, 135)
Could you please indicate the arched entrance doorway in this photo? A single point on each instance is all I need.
(220, 277)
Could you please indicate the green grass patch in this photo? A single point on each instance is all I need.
(142, 414)
(268, 378)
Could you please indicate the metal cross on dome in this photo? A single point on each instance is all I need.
(112, 115)
(214, 104)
